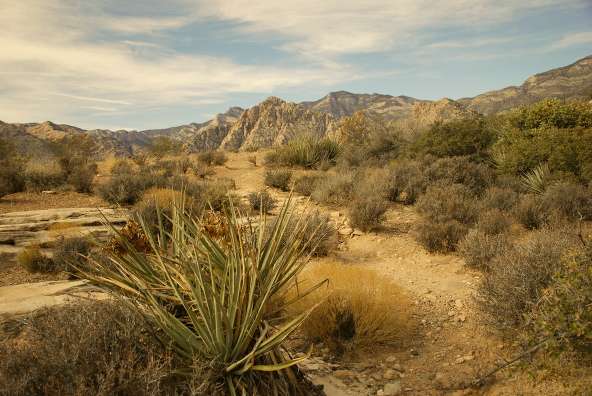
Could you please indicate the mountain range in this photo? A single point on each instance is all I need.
(275, 121)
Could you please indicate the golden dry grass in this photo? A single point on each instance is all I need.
(62, 228)
(358, 308)
(163, 197)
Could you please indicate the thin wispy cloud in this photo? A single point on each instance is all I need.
(573, 39)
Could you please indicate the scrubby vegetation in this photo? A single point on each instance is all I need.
(33, 260)
(261, 201)
(278, 178)
(305, 151)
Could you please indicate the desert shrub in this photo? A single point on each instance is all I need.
(70, 253)
(335, 189)
(163, 145)
(212, 157)
(568, 200)
(461, 170)
(518, 276)
(440, 236)
(563, 314)
(500, 198)
(469, 136)
(82, 178)
(323, 233)
(278, 178)
(74, 151)
(305, 150)
(43, 176)
(493, 222)
(358, 308)
(95, 348)
(125, 189)
(12, 168)
(367, 213)
(122, 167)
(552, 113)
(261, 201)
(529, 211)
(216, 194)
(33, 260)
(479, 248)
(192, 282)
(406, 182)
(441, 203)
(306, 184)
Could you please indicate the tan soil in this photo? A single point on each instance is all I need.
(20, 202)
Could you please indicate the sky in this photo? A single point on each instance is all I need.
(121, 64)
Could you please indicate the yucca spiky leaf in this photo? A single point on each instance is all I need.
(213, 298)
(537, 179)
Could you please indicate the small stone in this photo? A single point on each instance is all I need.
(392, 388)
(468, 358)
(460, 360)
(49, 192)
(391, 359)
(346, 231)
(343, 374)
(398, 367)
(390, 374)
(414, 352)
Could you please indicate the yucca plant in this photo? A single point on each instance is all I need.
(537, 179)
(218, 299)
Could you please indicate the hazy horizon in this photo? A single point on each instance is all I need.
(147, 65)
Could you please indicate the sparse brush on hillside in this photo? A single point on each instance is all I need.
(568, 200)
(218, 299)
(359, 308)
(529, 211)
(440, 236)
(212, 157)
(306, 151)
(41, 176)
(306, 184)
(493, 222)
(479, 249)
(336, 188)
(406, 182)
(261, 201)
(278, 178)
(12, 168)
(500, 198)
(458, 170)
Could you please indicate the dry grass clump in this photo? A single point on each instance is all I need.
(33, 260)
(494, 222)
(305, 150)
(43, 175)
(441, 237)
(278, 178)
(479, 248)
(358, 308)
(529, 211)
(70, 253)
(212, 157)
(306, 184)
(568, 200)
(519, 275)
(261, 201)
(501, 198)
(91, 348)
(336, 188)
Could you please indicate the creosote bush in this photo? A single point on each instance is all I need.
(500, 198)
(440, 236)
(359, 308)
(33, 260)
(406, 182)
(568, 200)
(92, 348)
(306, 184)
(493, 222)
(212, 157)
(458, 170)
(529, 211)
(517, 277)
(448, 202)
(367, 213)
(261, 201)
(336, 188)
(278, 178)
(126, 189)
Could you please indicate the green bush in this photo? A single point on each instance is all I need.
(261, 201)
(126, 189)
(479, 249)
(31, 259)
(366, 213)
(39, 179)
(12, 168)
(441, 203)
(563, 314)
(552, 113)
(406, 182)
(460, 170)
(305, 150)
(306, 184)
(518, 277)
(70, 253)
(441, 236)
(278, 178)
(470, 136)
(493, 222)
(212, 157)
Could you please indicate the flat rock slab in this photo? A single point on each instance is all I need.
(45, 227)
(25, 298)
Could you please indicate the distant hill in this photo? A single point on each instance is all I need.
(275, 121)
(569, 82)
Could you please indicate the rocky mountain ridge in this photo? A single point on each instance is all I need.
(275, 121)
